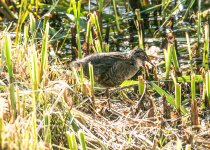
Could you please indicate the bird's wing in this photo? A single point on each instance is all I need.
(120, 71)
(103, 63)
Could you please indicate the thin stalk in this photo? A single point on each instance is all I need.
(168, 55)
(173, 78)
(7, 50)
(98, 46)
(189, 51)
(204, 94)
(139, 28)
(79, 45)
(91, 75)
(141, 85)
(116, 16)
(75, 75)
(69, 140)
(32, 26)
(81, 76)
(44, 52)
(82, 140)
(194, 107)
(64, 40)
(34, 124)
(78, 29)
(99, 13)
(100, 5)
(175, 60)
(47, 131)
(94, 20)
(37, 5)
(106, 47)
(193, 91)
(199, 26)
(23, 14)
(35, 72)
(165, 4)
(26, 37)
(178, 97)
(2, 59)
(208, 87)
(88, 35)
(35, 79)
(198, 78)
(98, 28)
(170, 99)
(73, 141)
(206, 47)
(76, 9)
(1, 128)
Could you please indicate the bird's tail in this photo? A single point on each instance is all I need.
(76, 64)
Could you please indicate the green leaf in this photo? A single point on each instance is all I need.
(129, 82)
(168, 96)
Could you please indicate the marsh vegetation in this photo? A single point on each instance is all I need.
(46, 104)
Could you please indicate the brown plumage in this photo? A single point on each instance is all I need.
(111, 69)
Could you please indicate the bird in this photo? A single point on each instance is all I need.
(112, 68)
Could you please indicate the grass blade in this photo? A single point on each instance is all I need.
(178, 97)
(168, 96)
(82, 140)
(206, 47)
(47, 132)
(7, 50)
(91, 75)
(44, 52)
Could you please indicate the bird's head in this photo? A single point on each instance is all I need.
(140, 56)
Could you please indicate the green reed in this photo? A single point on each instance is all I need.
(35, 79)
(100, 5)
(189, 51)
(116, 17)
(88, 37)
(25, 6)
(35, 70)
(26, 36)
(76, 9)
(193, 91)
(1, 127)
(168, 56)
(170, 98)
(95, 22)
(207, 88)
(199, 26)
(32, 27)
(44, 52)
(138, 24)
(82, 140)
(206, 47)
(7, 50)
(91, 75)
(178, 97)
(47, 131)
(72, 143)
(141, 85)
(194, 107)
(175, 60)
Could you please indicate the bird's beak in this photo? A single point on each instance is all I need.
(149, 61)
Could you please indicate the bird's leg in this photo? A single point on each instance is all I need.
(146, 71)
(108, 98)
